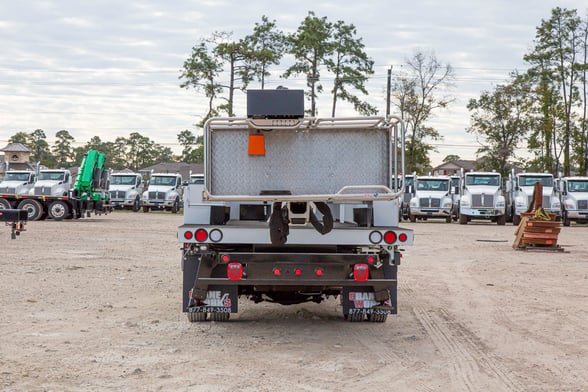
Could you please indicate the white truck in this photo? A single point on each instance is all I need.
(126, 190)
(519, 193)
(481, 197)
(164, 192)
(52, 182)
(294, 210)
(432, 198)
(574, 199)
(18, 182)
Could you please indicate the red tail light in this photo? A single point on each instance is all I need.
(201, 235)
(403, 237)
(234, 271)
(188, 235)
(390, 237)
(361, 272)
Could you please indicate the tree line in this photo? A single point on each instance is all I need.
(544, 107)
(133, 152)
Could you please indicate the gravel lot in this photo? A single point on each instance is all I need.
(95, 304)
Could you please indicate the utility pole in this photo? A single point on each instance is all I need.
(388, 88)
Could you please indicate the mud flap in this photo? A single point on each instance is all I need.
(219, 299)
(363, 300)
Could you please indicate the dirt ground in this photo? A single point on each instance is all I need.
(95, 305)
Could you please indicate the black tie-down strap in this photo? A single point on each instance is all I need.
(279, 222)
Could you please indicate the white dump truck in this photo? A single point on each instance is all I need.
(519, 193)
(481, 197)
(164, 192)
(52, 182)
(18, 182)
(574, 199)
(294, 209)
(432, 198)
(126, 190)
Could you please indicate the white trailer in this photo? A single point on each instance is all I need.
(294, 209)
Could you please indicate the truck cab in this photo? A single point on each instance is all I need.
(432, 198)
(52, 182)
(126, 190)
(519, 189)
(164, 192)
(574, 199)
(482, 198)
(18, 182)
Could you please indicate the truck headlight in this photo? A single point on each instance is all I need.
(570, 205)
(413, 202)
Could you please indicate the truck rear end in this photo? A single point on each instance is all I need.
(293, 210)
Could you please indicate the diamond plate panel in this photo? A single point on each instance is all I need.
(310, 162)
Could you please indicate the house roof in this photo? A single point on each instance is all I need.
(464, 164)
(175, 167)
(16, 147)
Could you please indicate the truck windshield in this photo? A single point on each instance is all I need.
(488, 180)
(531, 180)
(578, 185)
(17, 176)
(454, 182)
(53, 176)
(123, 180)
(433, 185)
(163, 180)
(197, 180)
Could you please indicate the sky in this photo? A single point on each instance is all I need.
(108, 67)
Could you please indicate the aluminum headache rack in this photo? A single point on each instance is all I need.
(347, 159)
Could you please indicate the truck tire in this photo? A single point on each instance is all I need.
(220, 317)
(176, 207)
(354, 318)
(566, 220)
(58, 210)
(4, 204)
(411, 217)
(448, 219)
(377, 318)
(196, 317)
(33, 207)
(136, 204)
(145, 208)
(463, 219)
(501, 220)
(516, 220)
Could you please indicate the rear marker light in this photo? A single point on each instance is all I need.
(361, 272)
(277, 271)
(188, 235)
(390, 237)
(201, 235)
(375, 237)
(403, 237)
(371, 259)
(215, 235)
(234, 271)
(225, 258)
(319, 272)
(297, 272)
